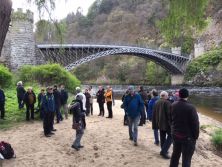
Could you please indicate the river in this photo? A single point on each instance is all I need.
(208, 100)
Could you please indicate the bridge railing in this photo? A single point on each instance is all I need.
(139, 45)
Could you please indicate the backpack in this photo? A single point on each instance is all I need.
(6, 150)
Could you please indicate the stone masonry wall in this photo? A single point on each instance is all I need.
(19, 46)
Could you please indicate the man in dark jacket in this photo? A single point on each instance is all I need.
(2, 104)
(88, 96)
(20, 94)
(101, 100)
(57, 96)
(48, 106)
(40, 97)
(64, 99)
(29, 100)
(185, 130)
(161, 121)
(133, 104)
(144, 96)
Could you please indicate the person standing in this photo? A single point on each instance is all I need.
(161, 121)
(109, 101)
(29, 100)
(40, 97)
(185, 130)
(144, 96)
(88, 96)
(125, 119)
(133, 104)
(20, 94)
(48, 106)
(151, 104)
(57, 97)
(91, 99)
(79, 92)
(64, 99)
(78, 114)
(2, 104)
(101, 100)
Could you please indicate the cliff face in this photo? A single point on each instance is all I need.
(212, 36)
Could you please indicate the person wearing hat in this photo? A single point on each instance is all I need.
(161, 121)
(133, 105)
(184, 129)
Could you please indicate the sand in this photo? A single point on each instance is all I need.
(106, 144)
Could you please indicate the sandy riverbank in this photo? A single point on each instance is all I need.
(106, 145)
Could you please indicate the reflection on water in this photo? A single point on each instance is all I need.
(208, 105)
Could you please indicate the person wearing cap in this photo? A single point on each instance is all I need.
(79, 93)
(77, 110)
(184, 129)
(133, 105)
(20, 94)
(29, 100)
(161, 121)
(48, 106)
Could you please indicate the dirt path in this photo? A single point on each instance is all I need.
(106, 145)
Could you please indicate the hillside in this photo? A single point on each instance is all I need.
(125, 22)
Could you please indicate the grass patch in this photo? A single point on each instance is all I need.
(217, 139)
(13, 115)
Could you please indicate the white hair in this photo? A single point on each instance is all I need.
(19, 83)
(163, 94)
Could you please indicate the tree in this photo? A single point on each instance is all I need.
(6, 9)
(184, 20)
(5, 13)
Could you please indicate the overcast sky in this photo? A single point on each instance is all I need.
(63, 7)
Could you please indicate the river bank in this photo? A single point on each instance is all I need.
(106, 144)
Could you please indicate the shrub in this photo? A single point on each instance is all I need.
(202, 63)
(5, 77)
(48, 74)
(217, 139)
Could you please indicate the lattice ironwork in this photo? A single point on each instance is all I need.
(70, 56)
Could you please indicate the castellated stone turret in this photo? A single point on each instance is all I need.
(19, 46)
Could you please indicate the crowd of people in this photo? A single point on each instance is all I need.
(174, 120)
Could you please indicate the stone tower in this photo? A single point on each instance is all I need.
(19, 46)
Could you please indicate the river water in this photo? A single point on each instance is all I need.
(208, 100)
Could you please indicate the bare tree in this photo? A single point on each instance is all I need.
(5, 15)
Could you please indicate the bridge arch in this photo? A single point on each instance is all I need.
(70, 56)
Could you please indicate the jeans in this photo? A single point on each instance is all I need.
(165, 141)
(133, 127)
(156, 136)
(109, 108)
(79, 134)
(65, 109)
(28, 108)
(2, 109)
(187, 148)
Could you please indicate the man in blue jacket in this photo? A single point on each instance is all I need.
(48, 105)
(133, 105)
(2, 104)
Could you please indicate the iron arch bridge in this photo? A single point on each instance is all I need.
(70, 56)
